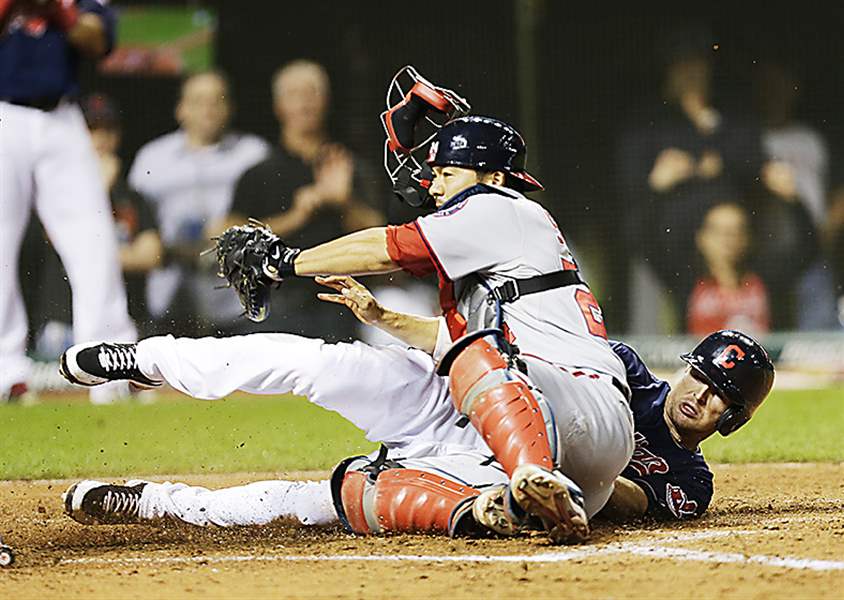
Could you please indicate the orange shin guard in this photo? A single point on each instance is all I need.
(500, 406)
(401, 500)
(470, 366)
(351, 493)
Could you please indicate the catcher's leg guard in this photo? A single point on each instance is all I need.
(397, 499)
(500, 406)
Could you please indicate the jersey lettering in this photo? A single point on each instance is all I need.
(679, 505)
(645, 462)
(591, 313)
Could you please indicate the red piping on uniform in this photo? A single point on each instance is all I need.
(436, 260)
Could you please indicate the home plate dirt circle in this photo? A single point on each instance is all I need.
(773, 531)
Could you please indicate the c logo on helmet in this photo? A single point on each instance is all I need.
(729, 356)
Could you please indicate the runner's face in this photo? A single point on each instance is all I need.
(450, 181)
(693, 406)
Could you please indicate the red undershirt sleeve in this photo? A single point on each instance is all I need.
(407, 248)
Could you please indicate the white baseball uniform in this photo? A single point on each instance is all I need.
(476, 241)
(392, 393)
(47, 162)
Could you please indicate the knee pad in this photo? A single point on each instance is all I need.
(501, 406)
(395, 499)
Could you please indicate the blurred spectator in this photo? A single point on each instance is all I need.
(139, 247)
(833, 238)
(727, 296)
(678, 164)
(675, 163)
(796, 174)
(188, 176)
(309, 190)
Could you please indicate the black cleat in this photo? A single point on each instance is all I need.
(96, 503)
(96, 363)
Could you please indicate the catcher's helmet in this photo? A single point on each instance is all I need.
(484, 144)
(738, 367)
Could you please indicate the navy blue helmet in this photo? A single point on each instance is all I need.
(739, 369)
(483, 144)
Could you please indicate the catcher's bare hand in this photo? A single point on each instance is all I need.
(353, 295)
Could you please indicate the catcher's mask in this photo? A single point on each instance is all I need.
(416, 110)
(739, 369)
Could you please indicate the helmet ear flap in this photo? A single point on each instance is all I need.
(732, 419)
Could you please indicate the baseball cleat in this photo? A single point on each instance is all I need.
(96, 363)
(97, 503)
(490, 510)
(555, 499)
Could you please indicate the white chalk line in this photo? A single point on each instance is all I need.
(788, 562)
(654, 548)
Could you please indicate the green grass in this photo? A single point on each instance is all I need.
(71, 438)
(791, 426)
(151, 26)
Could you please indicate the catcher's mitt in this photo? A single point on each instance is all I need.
(244, 254)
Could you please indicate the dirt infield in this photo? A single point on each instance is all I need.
(772, 531)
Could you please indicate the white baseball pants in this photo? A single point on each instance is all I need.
(308, 502)
(47, 162)
(394, 396)
(593, 423)
(390, 392)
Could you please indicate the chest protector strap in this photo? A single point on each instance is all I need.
(513, 289)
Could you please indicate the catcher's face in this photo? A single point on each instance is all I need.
(693, 408)
(450, 181)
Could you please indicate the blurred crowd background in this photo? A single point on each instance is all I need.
(695, 164)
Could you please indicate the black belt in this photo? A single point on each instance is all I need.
(516, 288)
(45, 103)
